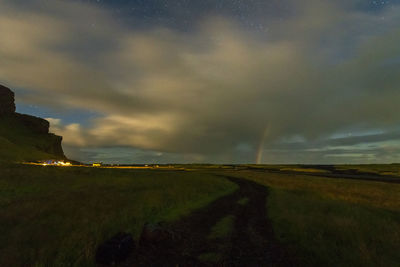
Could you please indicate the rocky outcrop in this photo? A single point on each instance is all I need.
(26, 130)
(7, 105)
(35, 124)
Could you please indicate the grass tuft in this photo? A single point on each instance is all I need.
(222, 228)
(243, 201)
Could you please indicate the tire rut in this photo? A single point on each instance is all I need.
(251, 243)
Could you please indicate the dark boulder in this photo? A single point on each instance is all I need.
(7, 105)
(115, 250)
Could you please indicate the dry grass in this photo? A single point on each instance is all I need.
(333, 222)
(370, 193)
(309, 170)
(381, 169)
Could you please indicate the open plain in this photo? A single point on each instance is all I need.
(244, 215)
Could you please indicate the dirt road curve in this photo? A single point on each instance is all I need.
(250, 243)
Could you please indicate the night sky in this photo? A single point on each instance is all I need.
(182, 81)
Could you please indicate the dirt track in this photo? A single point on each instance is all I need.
(251, 243)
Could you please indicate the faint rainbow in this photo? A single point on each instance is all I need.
(260, 149)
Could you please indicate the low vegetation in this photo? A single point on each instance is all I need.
(19, 143)
(381, 169)
(243, 201)
(223, 227)
(333, 222)
(56, 216)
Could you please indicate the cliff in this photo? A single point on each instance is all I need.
(25, 137)
(7, 105)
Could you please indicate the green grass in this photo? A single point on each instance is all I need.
(381, 169)
(57, 216)
(333, 222)
(220, 241)
(369, 193)
(19, 143)
(291, 168)
(222, 228)
(13, 152)
(210, 257)
(325, 232)
(243, 201)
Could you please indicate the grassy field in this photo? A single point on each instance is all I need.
(383, 170)
(333, 222)
(386, 169)
(56, 216)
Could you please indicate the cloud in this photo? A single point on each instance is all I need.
(72, 133)
(211, 91)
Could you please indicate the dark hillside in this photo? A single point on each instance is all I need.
(25, 137)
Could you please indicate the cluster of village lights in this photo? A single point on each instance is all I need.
(57, 163)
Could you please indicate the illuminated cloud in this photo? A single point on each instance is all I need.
(211, 91)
